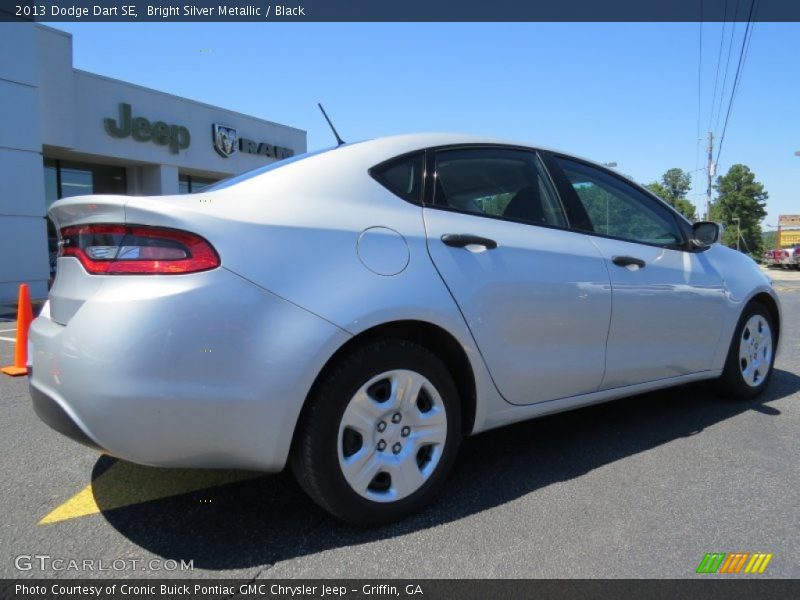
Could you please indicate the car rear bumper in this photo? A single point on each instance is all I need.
(54, 415)
(204, 370)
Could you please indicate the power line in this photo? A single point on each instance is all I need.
(699, 89)
(700, 70)
(719, 60)
(747, 33)
(747, 47)
(727, 67)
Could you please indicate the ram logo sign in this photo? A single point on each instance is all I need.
(225, 139)
(733, 562)
(227, 142)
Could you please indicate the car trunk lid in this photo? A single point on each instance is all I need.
(100, 240)
(72, 285)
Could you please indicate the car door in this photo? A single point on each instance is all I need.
(534, 294)
(668, 301)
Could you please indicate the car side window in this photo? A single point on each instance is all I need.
(618, 209)
(402, 175)
(497, 182)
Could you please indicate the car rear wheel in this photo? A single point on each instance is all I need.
(751, 355)
(379, 433)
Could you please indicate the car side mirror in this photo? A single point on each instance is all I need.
(705, 233)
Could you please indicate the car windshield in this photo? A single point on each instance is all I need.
(226, 183)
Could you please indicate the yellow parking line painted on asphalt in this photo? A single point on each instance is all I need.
(79, 505)
(126, 484)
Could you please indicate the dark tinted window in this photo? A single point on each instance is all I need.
(189, 184)
(618, 209)
(403, 176)
(51, 191)
(76, 181)
(497, 182)
(63, 179)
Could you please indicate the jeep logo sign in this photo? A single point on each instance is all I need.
(140, 129)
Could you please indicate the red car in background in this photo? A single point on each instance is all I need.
(783, 257)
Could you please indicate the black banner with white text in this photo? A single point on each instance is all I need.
(428, 589)
(405, 11)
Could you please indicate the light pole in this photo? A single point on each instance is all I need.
(712, 169)
(738, 230)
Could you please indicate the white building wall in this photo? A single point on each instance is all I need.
(23, 231)
(56, 87)
(99, 97)
(154, 180)
(54, 109)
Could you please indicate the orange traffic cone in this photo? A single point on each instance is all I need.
(24, 318)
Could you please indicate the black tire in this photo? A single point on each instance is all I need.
(732, 383)
(315, 453)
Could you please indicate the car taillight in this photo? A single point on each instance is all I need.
(137, 250)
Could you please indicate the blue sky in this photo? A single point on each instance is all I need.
(611, 92)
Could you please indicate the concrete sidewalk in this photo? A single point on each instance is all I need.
(781, 274)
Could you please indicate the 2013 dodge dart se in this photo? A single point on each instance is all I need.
(355, 312)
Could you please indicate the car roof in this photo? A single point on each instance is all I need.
(396, 145)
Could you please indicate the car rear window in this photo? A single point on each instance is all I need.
(402, 176)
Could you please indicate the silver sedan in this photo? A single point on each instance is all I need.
(355, 312)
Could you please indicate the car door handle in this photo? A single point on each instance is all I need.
(460, 240)
(627, 261)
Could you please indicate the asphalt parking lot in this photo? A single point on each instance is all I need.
(641, 487)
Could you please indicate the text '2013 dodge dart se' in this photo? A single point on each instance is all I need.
(355, 312)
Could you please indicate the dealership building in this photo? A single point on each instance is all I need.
(69, 133)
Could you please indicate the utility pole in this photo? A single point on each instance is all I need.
(711, 171)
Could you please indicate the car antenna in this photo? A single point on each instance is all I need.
(339, 141)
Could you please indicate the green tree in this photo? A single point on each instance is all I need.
(768, 239)
(672, 188)
(678, 182)
(740, 196)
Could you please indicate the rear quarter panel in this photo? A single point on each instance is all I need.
(295, 233)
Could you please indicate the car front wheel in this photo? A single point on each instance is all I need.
(751, 355)
(379, 433)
